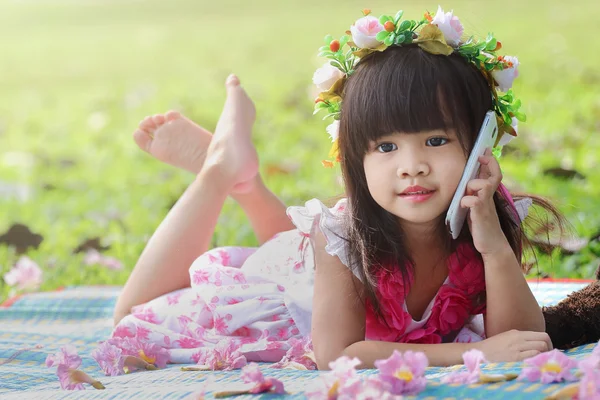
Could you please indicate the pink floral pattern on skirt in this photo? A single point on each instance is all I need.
(225, 302)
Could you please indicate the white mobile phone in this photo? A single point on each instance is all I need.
(455, 218)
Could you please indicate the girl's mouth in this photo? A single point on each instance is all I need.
(417, 197)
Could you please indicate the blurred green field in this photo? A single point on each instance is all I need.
(78, 76)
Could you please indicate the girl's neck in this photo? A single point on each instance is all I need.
(424, 242)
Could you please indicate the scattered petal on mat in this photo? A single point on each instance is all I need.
(251, 373)
(151, 353)
(110, 358)
(550, 367)
(341, 382)
(403, 373)
(66, 362)
(224, 356)
(472, 359)
(299, 356)
(589, 386)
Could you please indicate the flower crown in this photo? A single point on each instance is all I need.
(437, 34)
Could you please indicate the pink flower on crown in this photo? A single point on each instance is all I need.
(450, 310)
(449, 25)
(466, 270)
(326, 76)
(364, 31)
(505, 77)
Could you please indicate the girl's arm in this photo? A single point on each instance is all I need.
(338, 320)
(509, 301)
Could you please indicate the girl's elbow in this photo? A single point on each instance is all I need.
(324, 357)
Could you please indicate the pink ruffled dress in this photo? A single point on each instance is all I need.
(258, 301)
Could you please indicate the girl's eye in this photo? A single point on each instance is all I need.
(386, 147)
(436, 141)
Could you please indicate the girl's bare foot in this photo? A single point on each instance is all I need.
(231, 149)
(174, 139)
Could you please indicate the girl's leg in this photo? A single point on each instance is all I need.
(177, 141)
(186, 231)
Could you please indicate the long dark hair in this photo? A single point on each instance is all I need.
(405, 89)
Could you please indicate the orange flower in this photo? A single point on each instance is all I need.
(428, 16)
(366, 11)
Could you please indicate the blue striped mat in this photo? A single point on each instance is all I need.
(82, 316)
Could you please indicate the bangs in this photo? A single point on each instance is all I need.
(405, 89)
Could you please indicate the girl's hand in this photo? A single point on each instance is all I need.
(514, 345)
(484, 224)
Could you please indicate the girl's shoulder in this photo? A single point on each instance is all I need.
(331, 221)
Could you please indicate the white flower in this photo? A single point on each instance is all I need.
(510, 72)
(364, 31)
(326, 76)
(25, 274)
(449, 25)
(334, 130)
(507, 137)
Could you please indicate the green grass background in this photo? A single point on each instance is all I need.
(77, 77)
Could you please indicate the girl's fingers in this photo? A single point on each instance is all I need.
(475, 185)
(490, 168)
(539, 337)
(528, 354)
(470, 201)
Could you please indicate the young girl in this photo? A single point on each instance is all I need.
(377, 272)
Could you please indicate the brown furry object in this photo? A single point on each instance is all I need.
(575, 320)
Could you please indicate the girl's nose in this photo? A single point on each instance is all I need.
(411, 168)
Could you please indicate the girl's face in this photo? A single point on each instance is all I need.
(399, 165)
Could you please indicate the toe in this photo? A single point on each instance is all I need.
(232, 81)
(148, 125)
(172, 115)
(158, 119)
(143, 139)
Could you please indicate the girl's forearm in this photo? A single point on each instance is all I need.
(509, 301)
(440, 355)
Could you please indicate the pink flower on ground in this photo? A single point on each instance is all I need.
(341, 382)
(151, 353)
(472, 359)
(589, 386)
(403, 373)
(300, 354)
(224, 356)
(66, 362)
(552, 366)
(374, 389)
(26, 274)
(450, 310)
(94, 257)
(251, 373)
(109, 358)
